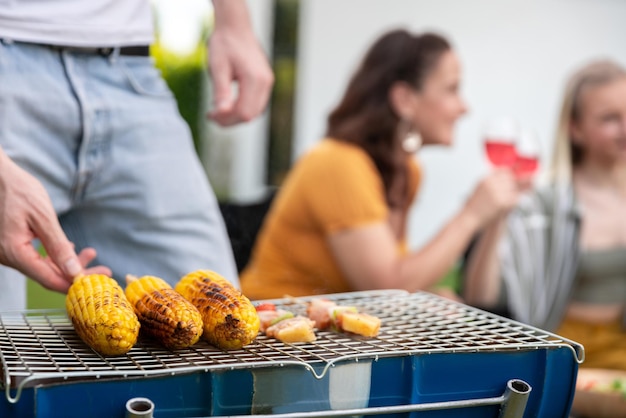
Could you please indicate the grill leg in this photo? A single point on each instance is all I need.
(515, 399)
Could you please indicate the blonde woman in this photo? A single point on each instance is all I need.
(561, 264)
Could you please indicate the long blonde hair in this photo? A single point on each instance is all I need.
(567, 154)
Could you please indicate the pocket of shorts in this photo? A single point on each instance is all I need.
(144, 78)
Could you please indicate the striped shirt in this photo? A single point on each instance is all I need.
(539, 255)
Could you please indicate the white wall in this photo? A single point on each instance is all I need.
(516, 56)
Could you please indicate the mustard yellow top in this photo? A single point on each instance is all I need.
(333, 187)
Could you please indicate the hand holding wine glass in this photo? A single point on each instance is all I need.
(509, 146)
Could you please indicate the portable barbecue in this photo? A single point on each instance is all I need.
(433, 358)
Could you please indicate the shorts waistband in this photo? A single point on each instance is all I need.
(137, 50)
(133, 50)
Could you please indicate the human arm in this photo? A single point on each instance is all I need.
(369, 258)
(236, 56)
(482, 283)
(26, 214)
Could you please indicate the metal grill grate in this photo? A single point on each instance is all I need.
(39, 347)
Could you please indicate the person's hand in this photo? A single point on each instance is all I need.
(236, 56)
(26, 213)
(494, 196)
(525, 183)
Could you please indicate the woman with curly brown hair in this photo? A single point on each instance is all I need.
(339, 222)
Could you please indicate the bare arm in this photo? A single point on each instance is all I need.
(483, 278)
(26, 213)
(369, 258)
(369, 255)
(236, 56)
(482, 282)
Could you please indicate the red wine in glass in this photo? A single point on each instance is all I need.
(525, 166)
(500, 139)
(500, 153)
(527, 155)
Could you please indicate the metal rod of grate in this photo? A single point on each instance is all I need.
(513, 405)
(41, 346)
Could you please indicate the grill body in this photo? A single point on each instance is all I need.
(430, 350)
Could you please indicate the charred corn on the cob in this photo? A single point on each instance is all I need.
(230, 319)
(101, 314)
(163, 312)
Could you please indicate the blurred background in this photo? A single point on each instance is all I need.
(516, 56)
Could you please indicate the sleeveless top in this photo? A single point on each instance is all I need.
(601, 276)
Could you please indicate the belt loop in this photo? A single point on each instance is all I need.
(114, 55)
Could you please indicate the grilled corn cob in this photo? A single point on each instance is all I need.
(230, 319)
(163, 312)
(101, 314)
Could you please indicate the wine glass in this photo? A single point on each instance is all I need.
(527, 154)
(500, 136)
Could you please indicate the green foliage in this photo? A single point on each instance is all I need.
(185, 75)
(38, 297)
(451, 280)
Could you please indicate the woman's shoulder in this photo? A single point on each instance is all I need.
(331, 153)
(334, 147)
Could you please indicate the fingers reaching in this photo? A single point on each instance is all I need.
(86, 256)
(30, 262)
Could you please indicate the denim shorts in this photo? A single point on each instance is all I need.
(104, 136)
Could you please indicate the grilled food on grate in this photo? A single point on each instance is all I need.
(163, 312)
(102, 316)
(297, 329)
(230, 320)
(358, 323)
(327, 314)
(270, 315)
(283, 325)
(319, 311)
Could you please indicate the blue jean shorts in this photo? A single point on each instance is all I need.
(104, 136)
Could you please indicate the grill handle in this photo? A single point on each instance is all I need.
(513, 403)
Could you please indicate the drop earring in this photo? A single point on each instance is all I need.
(412, 141)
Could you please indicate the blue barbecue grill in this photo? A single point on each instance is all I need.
(433, 358)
